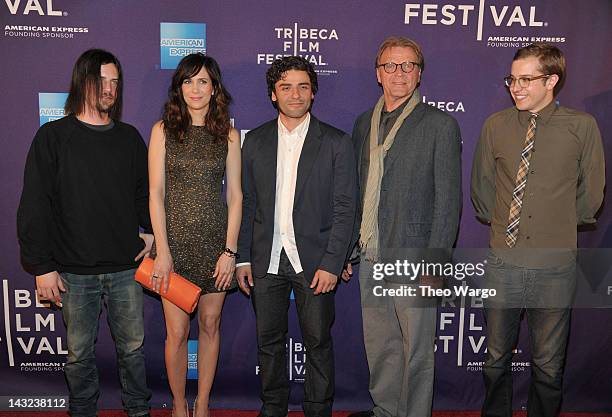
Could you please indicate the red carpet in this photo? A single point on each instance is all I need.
(235, 413)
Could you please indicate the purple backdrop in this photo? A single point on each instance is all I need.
(468, 48)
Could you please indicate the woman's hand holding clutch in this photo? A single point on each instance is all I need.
(162, 267)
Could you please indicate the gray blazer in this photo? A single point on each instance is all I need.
(420, 201)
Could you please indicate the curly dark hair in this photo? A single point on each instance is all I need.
(176, 118)
(280, 66)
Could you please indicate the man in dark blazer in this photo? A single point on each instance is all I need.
(300, 194)
(408, 154)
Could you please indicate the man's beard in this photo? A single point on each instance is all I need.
(102, 107)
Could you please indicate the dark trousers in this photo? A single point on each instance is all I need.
(545, 295)
(316, 315)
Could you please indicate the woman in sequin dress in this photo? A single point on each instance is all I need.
(195, 232)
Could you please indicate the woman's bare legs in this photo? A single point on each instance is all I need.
(177, 332)
(209, 339)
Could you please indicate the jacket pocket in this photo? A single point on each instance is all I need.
(417, 229)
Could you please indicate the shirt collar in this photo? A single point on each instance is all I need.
(300, 130)
(544, 115)
(397, 111)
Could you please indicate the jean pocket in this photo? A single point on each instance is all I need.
(494, 261)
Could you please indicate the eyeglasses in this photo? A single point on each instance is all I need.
(391, 67)
(523, 82)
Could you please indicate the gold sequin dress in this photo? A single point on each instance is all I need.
(196, 213)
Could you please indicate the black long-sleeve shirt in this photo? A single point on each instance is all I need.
(85, 195)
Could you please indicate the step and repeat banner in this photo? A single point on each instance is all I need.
(468, 47)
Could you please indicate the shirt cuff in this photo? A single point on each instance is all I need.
(146, 229)
(41, 269)
(242, 264)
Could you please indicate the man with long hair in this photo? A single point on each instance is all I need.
(85, 195)
(299, 186)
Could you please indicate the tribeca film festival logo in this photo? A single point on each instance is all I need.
(501, 16)
(304, 42)
(296, 365)
(19, 8)
(448, 106)
(28, 6)
(51, 106)
(30, 332)
(178, 40)
(461, 332)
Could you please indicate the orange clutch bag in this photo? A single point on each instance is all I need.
(181, 292)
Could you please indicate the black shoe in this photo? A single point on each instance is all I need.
(368, 413)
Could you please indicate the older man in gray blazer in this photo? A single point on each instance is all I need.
(409, 159)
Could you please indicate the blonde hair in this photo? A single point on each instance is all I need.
(550, 57)
(401, 42)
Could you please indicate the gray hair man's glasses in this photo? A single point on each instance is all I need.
(391, 67)
(523, 82)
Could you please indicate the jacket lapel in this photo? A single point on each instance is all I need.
(364, 137)
(404, 135)
(269, 151)
(309, 154)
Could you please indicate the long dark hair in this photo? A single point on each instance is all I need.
(86, 80)
(176, 117)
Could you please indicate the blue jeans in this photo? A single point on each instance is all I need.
(82, 304)
(545, 295)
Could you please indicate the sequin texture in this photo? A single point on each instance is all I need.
(196, 214)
